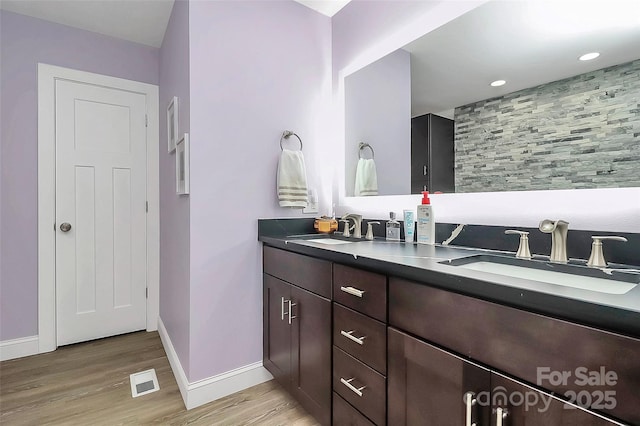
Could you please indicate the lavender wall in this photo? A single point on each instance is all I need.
(24, 42)
(174, 209)
(257, 68)
(378, 112)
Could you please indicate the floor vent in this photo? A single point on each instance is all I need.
(144, 382)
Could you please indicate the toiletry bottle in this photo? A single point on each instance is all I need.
(409, 225)
(426, 221)
(393, 228)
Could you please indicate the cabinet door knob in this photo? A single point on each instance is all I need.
(65, 227)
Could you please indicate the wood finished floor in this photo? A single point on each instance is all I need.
(88, 384)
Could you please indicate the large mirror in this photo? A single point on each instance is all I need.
(432, 119)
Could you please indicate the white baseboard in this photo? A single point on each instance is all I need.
(174, 361)
(204, 391)
(17, 348)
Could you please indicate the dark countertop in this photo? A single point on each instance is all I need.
(618, 313)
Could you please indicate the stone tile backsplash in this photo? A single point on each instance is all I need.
(580, 132)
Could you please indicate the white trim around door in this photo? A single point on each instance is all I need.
(47, 76)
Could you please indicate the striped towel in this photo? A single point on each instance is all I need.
(292, 179)
(366, 178)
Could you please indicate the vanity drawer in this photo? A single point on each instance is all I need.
(365, 388)
(306, 272)
(520, 343)
(345, 415)
(361, 337)
(363, 291)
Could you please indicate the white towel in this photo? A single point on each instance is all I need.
(292, 179)
(366, 178)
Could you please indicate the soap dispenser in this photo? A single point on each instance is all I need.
(426, 221)
(393, 228)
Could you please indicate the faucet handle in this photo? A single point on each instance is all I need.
(596, 259)
(523, 248)
(346, 232)
(369, 235)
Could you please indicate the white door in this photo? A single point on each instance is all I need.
(100, 211)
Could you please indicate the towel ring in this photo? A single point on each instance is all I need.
(286, 134)
(362, 146)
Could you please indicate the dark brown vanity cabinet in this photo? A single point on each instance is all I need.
(356, 347)
(432, 154)
(430, 386)
(554, 355)
(297, 328)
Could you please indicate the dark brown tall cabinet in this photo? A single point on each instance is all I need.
(297, 328)
(432, 154)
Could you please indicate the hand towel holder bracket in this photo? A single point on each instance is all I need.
(286, 134)
(362, 146)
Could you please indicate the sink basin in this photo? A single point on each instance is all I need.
(573, 276)
(328, 241)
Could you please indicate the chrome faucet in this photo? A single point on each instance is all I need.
(558, 230)
(357, 223)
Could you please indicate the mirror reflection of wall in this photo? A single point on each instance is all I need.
(557, 123)
(580, 132)
(378, 104)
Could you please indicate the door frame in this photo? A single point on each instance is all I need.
(47, 76)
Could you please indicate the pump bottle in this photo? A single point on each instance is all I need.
(426, 225)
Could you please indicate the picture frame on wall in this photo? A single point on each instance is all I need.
(182, 165)
(172, 124)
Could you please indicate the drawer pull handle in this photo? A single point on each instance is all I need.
(501, 414)
(353, 291)
(347, 383)
(349, 335)
(469, 401)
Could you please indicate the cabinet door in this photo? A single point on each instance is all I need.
(427, 386)
(441, 154)
(419, 136)
(276, 330)
(432, 154)
(524, 405)
(311, 353)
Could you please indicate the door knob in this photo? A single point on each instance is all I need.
(65, 227)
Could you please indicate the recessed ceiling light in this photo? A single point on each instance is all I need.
(498, 83)
(589, 56)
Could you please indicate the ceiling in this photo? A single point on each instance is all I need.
(526, 43)
(140, 21)
(326, 7)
